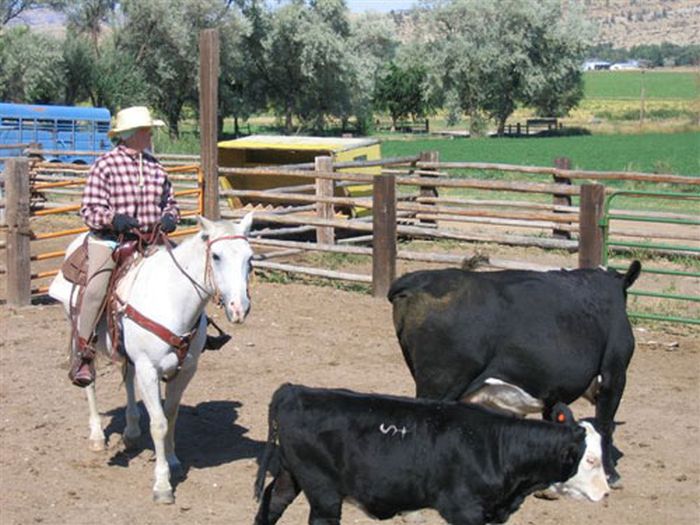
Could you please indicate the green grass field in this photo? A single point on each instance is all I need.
(677, 153)
(625, 85)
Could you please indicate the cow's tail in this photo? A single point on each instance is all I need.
(270, 458)
(632, 273)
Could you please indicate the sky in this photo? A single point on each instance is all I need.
(381, 6)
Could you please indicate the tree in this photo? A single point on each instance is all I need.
(558, 101)
(87, 17)
(161, 37)
(326, 63)
(373, 43)
(300, 52)
(30, 66)
(78, 68)
(242, 85)
(488, 57)
(400, 92)
(115, 82)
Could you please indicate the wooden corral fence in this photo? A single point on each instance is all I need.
(411, 189)
(414, 197)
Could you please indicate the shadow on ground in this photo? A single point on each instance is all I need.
(205, 435)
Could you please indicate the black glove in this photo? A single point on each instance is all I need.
(168, 223)
(122, 223)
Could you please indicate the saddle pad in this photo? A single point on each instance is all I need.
(75, 266)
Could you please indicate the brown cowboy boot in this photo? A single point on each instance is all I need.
(82, 369)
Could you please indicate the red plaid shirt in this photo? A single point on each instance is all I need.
(116, 185)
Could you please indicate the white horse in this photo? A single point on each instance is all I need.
(216, 261)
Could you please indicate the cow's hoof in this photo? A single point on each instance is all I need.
(130, 442)
(163, 497)
(548, 494)
(615, 483)
(97, 445)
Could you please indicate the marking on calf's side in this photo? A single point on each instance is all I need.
(394, 430)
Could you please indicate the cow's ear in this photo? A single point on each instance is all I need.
(562, 414)
(632, 273)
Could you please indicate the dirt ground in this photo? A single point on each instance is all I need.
(314, 335)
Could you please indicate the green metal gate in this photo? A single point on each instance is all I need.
(688, 277)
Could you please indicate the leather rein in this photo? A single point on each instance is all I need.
(180, 343)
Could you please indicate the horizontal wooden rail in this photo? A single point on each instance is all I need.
(414, 231)
(316, 272)
(520, 187)
(481, 212)
(497, 204)
(569, 174)
(56, 210)
(407, 255)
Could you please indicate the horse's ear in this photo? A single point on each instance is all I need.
(206, 226)
(246, 223)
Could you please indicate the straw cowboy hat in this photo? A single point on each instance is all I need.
(133, 118)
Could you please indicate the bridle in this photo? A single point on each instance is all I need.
(208, 280)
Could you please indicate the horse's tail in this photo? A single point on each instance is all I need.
(270, 460)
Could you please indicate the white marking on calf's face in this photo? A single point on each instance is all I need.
(589, 481)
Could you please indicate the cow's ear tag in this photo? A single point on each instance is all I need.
(561, 414)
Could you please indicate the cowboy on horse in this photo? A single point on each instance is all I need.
(127, 193)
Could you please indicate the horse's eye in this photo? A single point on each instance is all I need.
(215, 257)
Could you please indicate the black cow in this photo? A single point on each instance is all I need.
(519, 341)
(392, 454)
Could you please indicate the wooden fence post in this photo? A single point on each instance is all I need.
(384, 234)
(590, 243)
(18, 232)
(428, 191)
(562, 163)
(324, 210)
(208, 109)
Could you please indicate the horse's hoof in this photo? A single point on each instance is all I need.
(163, 497)
(97, 445)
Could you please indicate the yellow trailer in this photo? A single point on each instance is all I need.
(269, 150)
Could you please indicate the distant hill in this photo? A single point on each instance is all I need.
(622, 23)
(626, 23)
